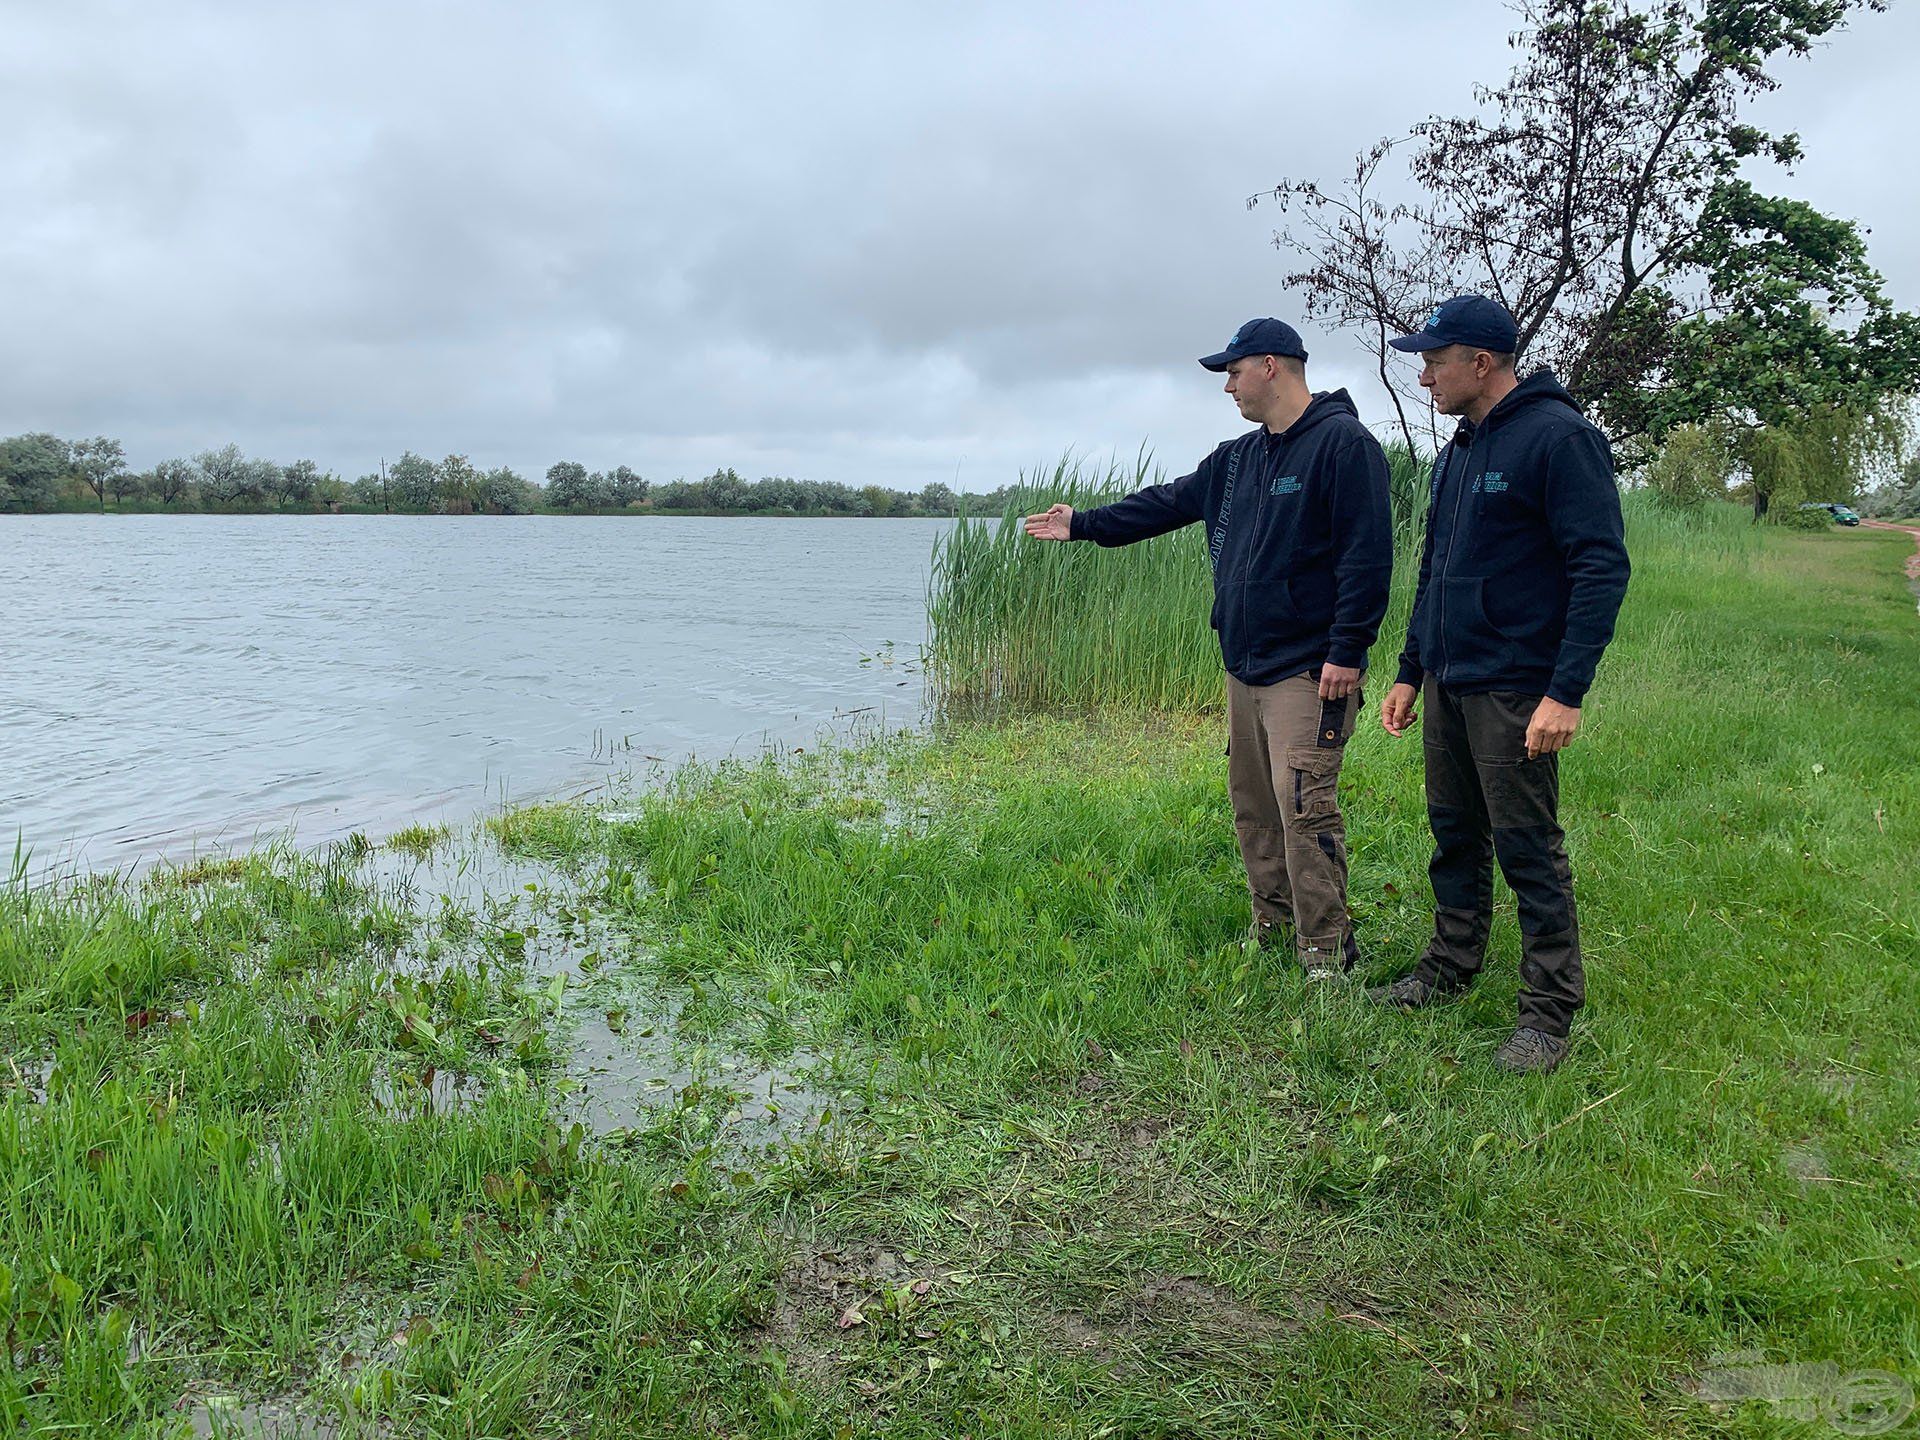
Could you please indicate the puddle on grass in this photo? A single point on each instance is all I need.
(624, 1079)
(621, 1059)
(30, 1076)
(230, 1418)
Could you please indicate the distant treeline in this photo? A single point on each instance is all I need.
(42, 473)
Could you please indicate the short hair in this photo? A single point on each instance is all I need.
(1502, 359)
(1294, 365)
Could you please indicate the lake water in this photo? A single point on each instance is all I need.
(176, 683)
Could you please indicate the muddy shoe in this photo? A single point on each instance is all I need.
(1531, 1052)
(1411, 992)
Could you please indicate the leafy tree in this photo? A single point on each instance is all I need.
(567, 486)
(506, 493)
(1694, 466)
(1597, 196)
(413, 481)
(459, 483)
(98, 462)
(1825, 455)
(221, 472)
(171, 481)
(124, 485)
(626, 488)
(939, 499)
(879, 499)
(725, 490)
(258, 482)
(298, 482)
(31, 468)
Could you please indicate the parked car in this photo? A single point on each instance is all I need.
(1842, 514)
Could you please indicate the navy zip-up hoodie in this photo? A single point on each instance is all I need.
(1525, 562)
(1299, 535)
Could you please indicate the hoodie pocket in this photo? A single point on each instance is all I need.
(1470, 640)
(1310, 597)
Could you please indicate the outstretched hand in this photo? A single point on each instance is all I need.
(1053, 523)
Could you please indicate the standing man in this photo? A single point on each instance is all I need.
(1301, 543)
(1523, 572)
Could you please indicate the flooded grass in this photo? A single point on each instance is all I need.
(419, 841)
(918, 1086)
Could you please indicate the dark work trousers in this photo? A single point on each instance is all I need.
(1486, 799)
(1284, 749)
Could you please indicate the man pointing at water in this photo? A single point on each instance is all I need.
(1300, 539)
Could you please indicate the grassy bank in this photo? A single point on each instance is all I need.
(1070, 1163)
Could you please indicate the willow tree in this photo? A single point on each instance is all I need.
(1597, 193)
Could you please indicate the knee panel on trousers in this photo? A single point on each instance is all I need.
(1533, 858)
(1462, 865)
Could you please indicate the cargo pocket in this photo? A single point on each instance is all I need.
(1313, 782)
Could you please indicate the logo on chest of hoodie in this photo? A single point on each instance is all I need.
(1489, 484)
(1285, 485)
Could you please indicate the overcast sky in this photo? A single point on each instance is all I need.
(886, 242)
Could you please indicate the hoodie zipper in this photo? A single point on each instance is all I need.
(1453, 532)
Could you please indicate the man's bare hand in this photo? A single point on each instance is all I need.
(1396, 711)
(1337, 681)
(1054, 523)
(1551, 728)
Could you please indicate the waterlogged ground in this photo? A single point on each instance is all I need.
(918, 1088)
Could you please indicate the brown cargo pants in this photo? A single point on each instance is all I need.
(1284, 748)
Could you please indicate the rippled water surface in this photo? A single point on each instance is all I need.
(175, 682)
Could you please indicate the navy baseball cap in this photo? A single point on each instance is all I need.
(1258, 337)
(1465, 320)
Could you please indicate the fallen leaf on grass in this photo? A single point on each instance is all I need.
(850, 1317)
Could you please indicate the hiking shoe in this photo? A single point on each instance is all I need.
(1530, 1052)
(1410, 992)
(1324, 965)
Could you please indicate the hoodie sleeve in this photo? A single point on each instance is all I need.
(1412, 668)
(1146, 513)
(1583, 512)
(1362, 551)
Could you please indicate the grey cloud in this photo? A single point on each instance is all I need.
(855, 242)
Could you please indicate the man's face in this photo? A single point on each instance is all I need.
(1455, 376)
(1250, 383)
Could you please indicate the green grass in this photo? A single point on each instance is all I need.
(419, 841)
(1089, 1169)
